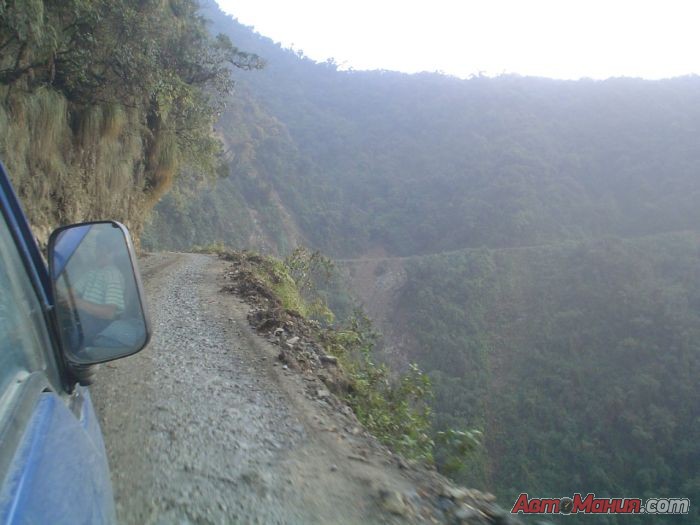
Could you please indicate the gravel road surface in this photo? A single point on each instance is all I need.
(204, 426)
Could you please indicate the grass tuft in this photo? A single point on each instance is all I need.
(114, 121)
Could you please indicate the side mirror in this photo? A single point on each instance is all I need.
(99, 300)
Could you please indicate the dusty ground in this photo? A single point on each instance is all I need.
(205, 426)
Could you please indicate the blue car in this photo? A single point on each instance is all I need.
(57, 322)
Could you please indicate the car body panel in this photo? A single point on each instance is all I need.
(59, 473)
(56, 467)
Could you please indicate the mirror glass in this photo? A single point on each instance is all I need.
(97, 291)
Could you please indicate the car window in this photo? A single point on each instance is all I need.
(24, 343)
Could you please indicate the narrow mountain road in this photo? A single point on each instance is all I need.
(204, 426)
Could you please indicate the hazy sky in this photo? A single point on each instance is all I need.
(553, 38)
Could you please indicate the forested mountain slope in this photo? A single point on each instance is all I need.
(361, 159)
(545, 237)
(579, 361)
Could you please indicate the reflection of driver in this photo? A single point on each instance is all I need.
(99, 294)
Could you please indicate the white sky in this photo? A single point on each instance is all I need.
(551, 38)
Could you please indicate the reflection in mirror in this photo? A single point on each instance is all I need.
(99, 307)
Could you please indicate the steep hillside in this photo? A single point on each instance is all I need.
(101, 103)
(243, 209)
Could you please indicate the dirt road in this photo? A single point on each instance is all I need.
(205, 426)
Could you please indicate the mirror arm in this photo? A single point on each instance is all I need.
(84, 375)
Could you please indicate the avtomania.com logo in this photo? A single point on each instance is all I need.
(589, 504)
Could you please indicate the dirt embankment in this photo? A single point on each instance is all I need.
(207, 426)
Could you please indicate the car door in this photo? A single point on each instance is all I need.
(52, 461)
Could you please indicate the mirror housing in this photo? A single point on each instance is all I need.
(100, 308)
